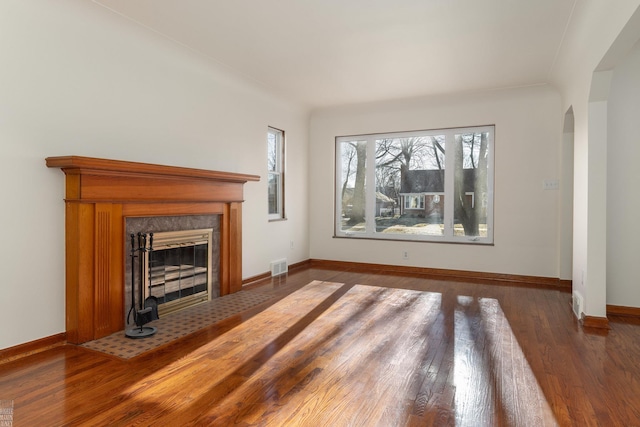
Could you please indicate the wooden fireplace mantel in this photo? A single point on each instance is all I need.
(100, 194)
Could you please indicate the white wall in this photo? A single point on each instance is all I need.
(528, 140)
(77, 79)
(565, 207)
(623, 177)
(597, 36)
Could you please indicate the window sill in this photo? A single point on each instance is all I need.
(277, 219)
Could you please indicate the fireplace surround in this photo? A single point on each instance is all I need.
(100, 195)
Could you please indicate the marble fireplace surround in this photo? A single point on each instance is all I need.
(100, 194)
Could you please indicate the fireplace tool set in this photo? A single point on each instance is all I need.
(147, 309)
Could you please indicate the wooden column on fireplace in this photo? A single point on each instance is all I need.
(100, 195)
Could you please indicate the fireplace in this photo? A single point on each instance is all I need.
(104, 197)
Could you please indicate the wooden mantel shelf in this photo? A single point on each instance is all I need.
(100, 194)
(95, 165)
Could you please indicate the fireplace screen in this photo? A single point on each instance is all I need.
(178, 265)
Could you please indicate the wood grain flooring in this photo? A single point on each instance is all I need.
(344, 348)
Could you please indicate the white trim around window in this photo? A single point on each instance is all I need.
(275, 174)
(419, 186)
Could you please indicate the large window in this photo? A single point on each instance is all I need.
(275, 163)
(428, 185)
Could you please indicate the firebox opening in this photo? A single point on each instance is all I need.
(178, 269)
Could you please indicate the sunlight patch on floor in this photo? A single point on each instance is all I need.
(235, 346)
(491, 374)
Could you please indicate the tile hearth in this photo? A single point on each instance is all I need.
(179, 324)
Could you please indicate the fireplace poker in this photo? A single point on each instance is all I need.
(133, 274)
(151, 301)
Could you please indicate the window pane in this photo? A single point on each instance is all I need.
(274, 185)
(471, 184)
(272, 153)
(353, 179)
(410, 185)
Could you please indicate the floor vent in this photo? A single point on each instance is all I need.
(577, 305)
(279, 267)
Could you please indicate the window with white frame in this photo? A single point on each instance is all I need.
(420, 185)
(413, 201)
(275, 181)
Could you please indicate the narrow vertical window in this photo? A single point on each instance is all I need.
(275, 163)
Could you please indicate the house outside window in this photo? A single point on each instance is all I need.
(416, 185)
(275, 181)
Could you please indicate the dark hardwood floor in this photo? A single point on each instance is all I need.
(346, 348)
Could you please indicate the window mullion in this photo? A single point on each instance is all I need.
(490, 183)
(371, 187)
(449, 169)
(338, 212)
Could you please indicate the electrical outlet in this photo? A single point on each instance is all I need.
(291, 244)
(405, 255)
(550, 184)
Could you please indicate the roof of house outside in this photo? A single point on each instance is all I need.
(431, 181)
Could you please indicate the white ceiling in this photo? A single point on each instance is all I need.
(328, 52)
